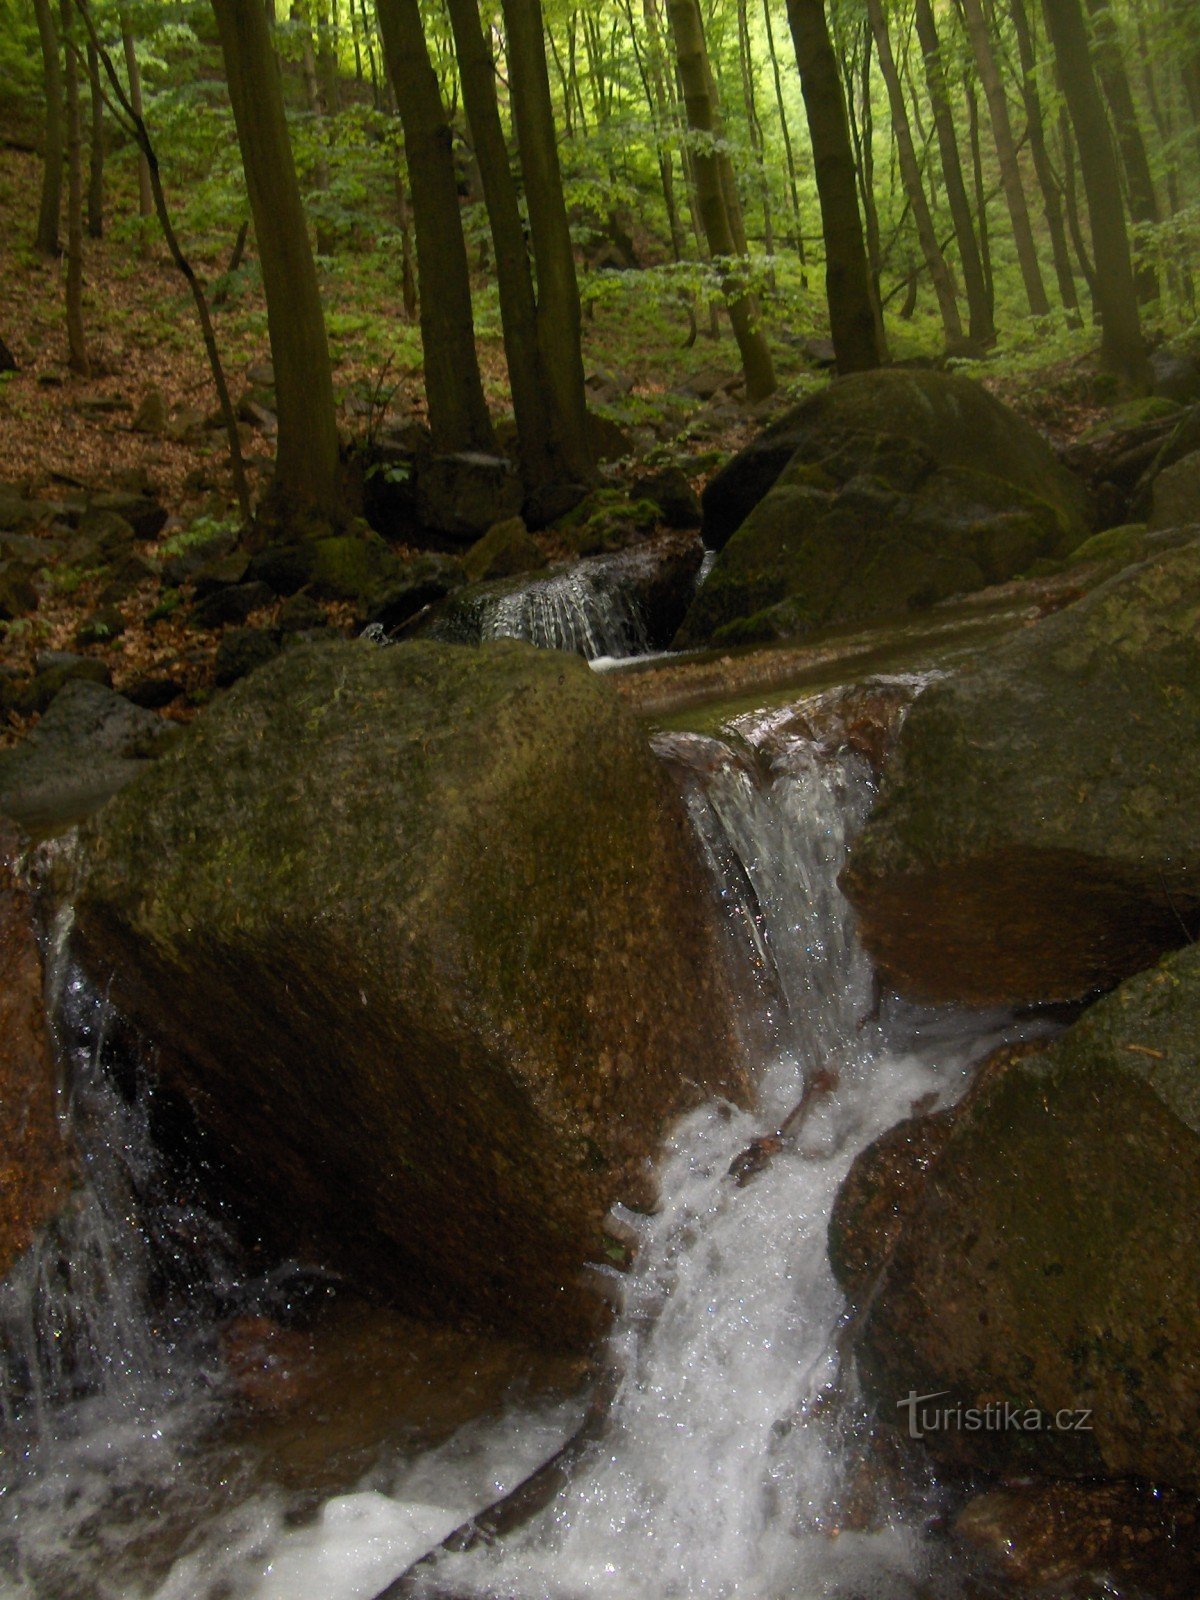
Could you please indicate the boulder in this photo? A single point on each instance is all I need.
(18, 593)
(232, 604)
(35, 1165)
(422, 937)
(1034, 838)
(504, 551)
(418, 583)
(886, 492)
(1047, 1262)
(145, 514)
(348, 566)
(1175, 495)
(671, 491)
(88, 745)
(241, 652)
(461, 496)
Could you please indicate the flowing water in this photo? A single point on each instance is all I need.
(736, 1459)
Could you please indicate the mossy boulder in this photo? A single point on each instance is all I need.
(504, 551)
(421, 935)
(1035, 836)
(1176, 494)
(900, 489)
(1047, 1264)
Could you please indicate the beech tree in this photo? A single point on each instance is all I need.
(306, 481)
(46, 238)
(853, 315)
(458, 413)
(1122, 347)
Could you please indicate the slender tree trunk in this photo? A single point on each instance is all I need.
(981, 197)
(856, 66)
(46, 239)
(1006, 155)
(1114, 81)
(754, 126)
(458, 413)
(650, 72)
(327, 62)
(558, 315)
(789, 153)
(1051, 196)
(1071, 203)
(911, 172)
(857, 339)
(95, 193)
(698, 89)
(1181, 279)
(1122, 348)
(306, 462)
(77, 358)
(368, 36)
(979, 312)
(518, 303)
(145, 194)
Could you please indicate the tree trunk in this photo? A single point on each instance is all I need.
(651, 71)
(145, 194)
(979, 311)
(789, 153)
(698, 91)
(518, 303)
(1006, 155)
(77, 358)
(857, 340)
(911, 172)
(1114, 81)
(558, 317)
(1071, 203)
(1122, 348)
(981, 196)
(458, 413)
(46, 239)
(306, 461)
(1051, 197)
(754, 126)
(95, 193)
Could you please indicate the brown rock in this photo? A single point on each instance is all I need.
(34, 1163)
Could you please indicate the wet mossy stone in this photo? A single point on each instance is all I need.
(901, 489)
(1035, 836)
(423, 937)
(505, 551)
(954, 421)
(1048, 1263)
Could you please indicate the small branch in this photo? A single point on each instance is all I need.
(137, 127)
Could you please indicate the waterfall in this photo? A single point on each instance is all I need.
(736, 1459)
(580, 610)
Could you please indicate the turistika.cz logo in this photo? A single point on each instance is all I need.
(1000, 1416)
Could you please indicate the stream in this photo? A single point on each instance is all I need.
(738, 1460)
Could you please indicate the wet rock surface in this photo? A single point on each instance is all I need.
(35, 1165)
(421, 932)
(1031, 1250)
(1034, 839)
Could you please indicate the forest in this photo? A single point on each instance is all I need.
(599, 884)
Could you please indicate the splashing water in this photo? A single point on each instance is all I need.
(580, 611)
(733, 1464)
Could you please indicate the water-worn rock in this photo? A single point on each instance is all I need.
(88, 745)
(886, 492)
(424, 938)
(504, 551)
(1035, 837)
(417, 584)
(1048, 1261)
(35, 1167)
(1175, 497)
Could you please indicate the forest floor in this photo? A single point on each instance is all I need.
(64, 435)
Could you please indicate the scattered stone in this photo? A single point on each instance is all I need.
(90, 743)
(17, 513)
(102, 627)
(547, 504)
(241, 652)
(419, 583)
(18, 594)
(151, 414)
(154, 693)
(144, 514)
(610, 440)
(300, 614)
(1034, 839)
(231, 604)
(671, 491)
(1176, 375)
(8, 362)
(504, 551)
(710, 381)
(445, 900)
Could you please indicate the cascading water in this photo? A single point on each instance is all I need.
(580, 610)
(732, 1463)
